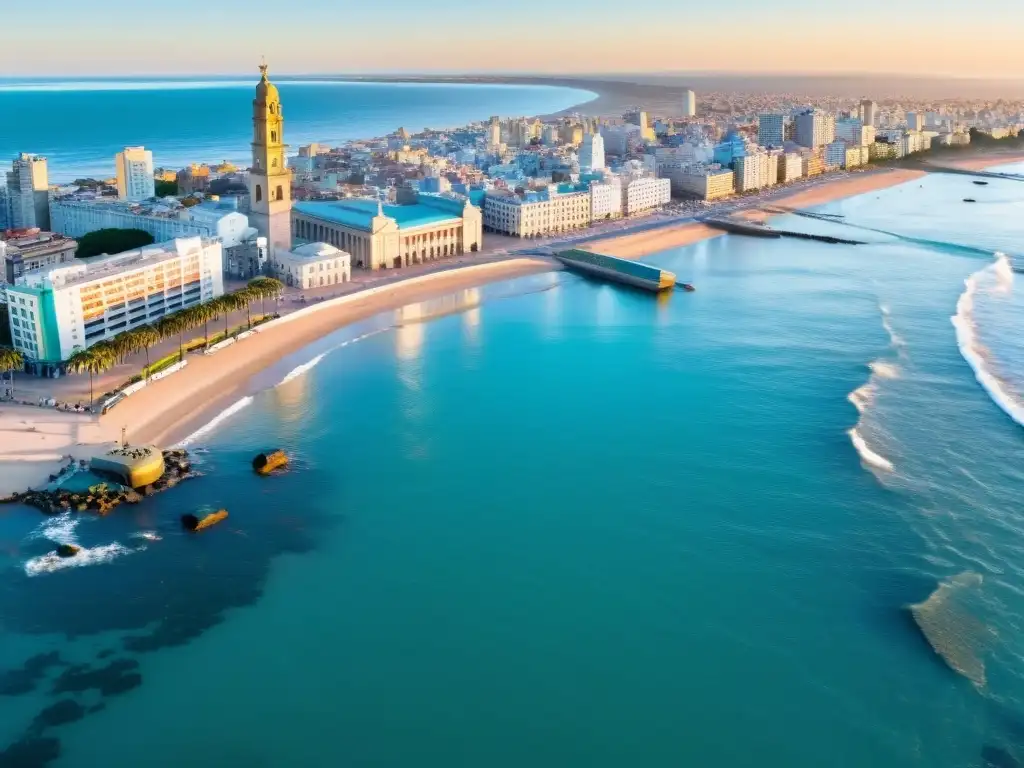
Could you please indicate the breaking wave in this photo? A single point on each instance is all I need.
(217, 420)
(301, 369)
(61, 530)
(951, 629)
(867, 455)
(971, 348)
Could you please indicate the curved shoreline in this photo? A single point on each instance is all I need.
(172, 408)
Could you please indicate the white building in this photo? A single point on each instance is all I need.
(835, 154)
(28, 193)
(619, 139)
(76, 218)
(538, 213)
(592, 152)
(756, 170)
(56, 311)
(791, 167)
(868, 112)
(313, 265)
(689, 103)
(134, 167)
(815, 128)
(606, 199)
(644, 194)
(771, 130)
(915, 121)
(705, 182)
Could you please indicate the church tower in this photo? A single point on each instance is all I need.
(270, 179)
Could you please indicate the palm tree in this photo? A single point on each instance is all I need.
(145, 337)
(123, 345)
(267, 286)
(245, 297)
(11, 360)
(225, 305)
(172, 324)
(202, 313)
(95, 359)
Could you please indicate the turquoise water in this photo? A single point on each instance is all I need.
(183, 122)
(553, 522)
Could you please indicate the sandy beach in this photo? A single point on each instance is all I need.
(982, 161)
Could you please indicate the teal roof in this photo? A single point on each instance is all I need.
(359, 213)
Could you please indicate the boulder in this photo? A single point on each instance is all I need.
(67, 550)
(195, 524)
(265, 463)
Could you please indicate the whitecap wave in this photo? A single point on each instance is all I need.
(884, 370)
(867, 455)
(862, 396)
(894, 338)
(217, 420)
(1003, 270)
(52, 562)
(147, 535)
(59, 529)
(971, 348)
(301, 369)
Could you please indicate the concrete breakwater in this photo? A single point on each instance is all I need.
(759, 230)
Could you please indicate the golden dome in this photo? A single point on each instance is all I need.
(266, 91)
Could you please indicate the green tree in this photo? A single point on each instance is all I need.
(224, 306)
(166, 188)
(202, 313)
(95, 359)
(11, 360)
(245, 297)
(145, 337)
(173, 324)
(267, 287)
(111, 241)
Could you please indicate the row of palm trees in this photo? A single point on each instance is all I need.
(105, 354)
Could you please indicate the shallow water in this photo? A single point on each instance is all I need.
(555, 522)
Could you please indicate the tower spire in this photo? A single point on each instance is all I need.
(263, 67)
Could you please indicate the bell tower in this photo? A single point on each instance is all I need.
(270, 179)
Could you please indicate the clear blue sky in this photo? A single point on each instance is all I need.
(111, 37)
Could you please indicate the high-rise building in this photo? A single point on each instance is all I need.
(638, 117)
(771, 130)
(689, 103)
(270, 179)
(915, 121)
(868, 112)
(592, 152)
(815, 128)
(28, 193)
(5, 209)
(134, 167)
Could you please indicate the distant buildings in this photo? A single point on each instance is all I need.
(756, 170)
(638, 117)
(592, 153)
(771, 130)
(195, 178)
(815, 128)
(689, 103)
(28, 193)
(704, 182)
(32, 251)
(58, 310)
(313, 265)
(134, 166)
(791, 167)
(915, 121)
(869, 112)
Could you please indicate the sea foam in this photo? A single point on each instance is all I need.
(301, 369)
(217, 420)
(51, 561)
(971, 348)
(867, 455)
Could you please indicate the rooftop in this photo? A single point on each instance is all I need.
(358, 213)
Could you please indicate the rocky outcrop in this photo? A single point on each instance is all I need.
(67, 550)
(104, 497)
(195, 524)
(265, 463)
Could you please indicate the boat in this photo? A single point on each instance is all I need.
(980, 183)
(970, 200)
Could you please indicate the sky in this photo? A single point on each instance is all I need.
(122, 37)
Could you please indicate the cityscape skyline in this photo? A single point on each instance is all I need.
(451, 37)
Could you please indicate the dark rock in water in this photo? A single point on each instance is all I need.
(67, 550)
(16, 682)
(116, 677)
(63, 712)
(265, 463)
(97, 708)
(105, 653)
(30, 752)
(997, 757)
(189, 522)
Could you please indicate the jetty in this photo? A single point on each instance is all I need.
(751, 229)
(136, 466)
(634, 273)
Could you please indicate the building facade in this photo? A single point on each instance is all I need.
(134, 167)
(56, 311)
(689, 103)
(313, 265)
(791, 167)
(382, 236)
(771, 130)
(76, 218)
(270, 179)
(703, 182)
(31, 251)
(868, 112)
(28, 193)
(592, 152)
(644, 194)
(815, 128)
(537, 214)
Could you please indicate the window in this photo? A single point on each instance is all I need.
(280, 192)
(273, 135)
(259, 192)
(273, 163)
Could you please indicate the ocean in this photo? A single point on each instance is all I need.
(555, 522)
(186, 121)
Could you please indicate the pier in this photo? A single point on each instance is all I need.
(759, 230)
(633, 273)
